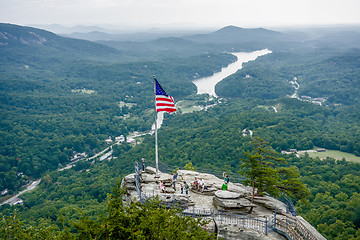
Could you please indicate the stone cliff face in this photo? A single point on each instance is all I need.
(233, 215)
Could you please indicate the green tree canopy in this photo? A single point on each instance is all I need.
(261, 167)
(135, 221)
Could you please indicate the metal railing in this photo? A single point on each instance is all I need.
(137, 180)
(243, 221)
(290, 207)
(292, 228)
(240, 219)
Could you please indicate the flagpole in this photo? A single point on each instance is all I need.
(156, 138)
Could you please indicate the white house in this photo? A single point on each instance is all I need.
(109, 140)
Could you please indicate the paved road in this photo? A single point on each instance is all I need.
(30, 187)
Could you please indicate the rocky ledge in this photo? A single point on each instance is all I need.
(231, 204)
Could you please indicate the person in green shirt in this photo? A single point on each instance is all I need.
(224, 186)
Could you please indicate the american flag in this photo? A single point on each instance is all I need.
(164, 102)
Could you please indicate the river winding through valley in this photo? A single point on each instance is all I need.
(207, 84)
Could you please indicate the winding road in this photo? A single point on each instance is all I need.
(30, 187)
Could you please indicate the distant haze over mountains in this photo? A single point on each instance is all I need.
(229, 38)
(229, 34)
(113, 29)
(197, 33)
(224, 35)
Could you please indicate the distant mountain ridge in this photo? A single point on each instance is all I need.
(18, 40)
(135, 37)
(59, 29)
(233, 34)
(11, 35)
(225, 35)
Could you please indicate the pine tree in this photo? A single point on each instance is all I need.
(263, 175)
(141, 221)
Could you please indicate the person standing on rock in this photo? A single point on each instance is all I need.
(224, 186)
(162, 187)
(186, 188)
(174, 180)
(226, 178)
(143, 164)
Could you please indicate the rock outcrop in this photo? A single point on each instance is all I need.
(270, 203)
(232, 213)
(231, 200)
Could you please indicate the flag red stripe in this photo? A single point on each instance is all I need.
(164, 99)
(165, 104)
(169, 110)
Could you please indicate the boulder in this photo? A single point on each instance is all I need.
(147, 178)
(150, 189)
(176, 200)
(150, 170)
(227, 194)
(188, 173)
(129, 179)
(239, 188)
(128, 182)
(270, 203)
(210, 226)
(231, 200)
(130, 197)
(130, 187)
(209, 190)
(233, 232)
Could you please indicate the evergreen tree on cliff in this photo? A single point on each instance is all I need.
(266, 175)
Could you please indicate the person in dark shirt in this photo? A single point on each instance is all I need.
(186, 188)
(226, 178)
(174, 180)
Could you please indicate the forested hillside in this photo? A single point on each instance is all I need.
(45, 115)
(332, 75)
(63, 96)
(212, 140)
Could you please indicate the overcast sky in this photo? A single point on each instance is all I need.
(206, 13)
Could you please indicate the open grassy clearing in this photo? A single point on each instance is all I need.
(187, 106)
(84, 91)
(129, 105)
(336, 155)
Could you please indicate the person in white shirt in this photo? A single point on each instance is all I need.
(162, 187)
(201, 185)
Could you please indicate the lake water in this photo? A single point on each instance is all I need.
(207, 84)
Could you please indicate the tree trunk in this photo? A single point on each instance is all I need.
(253, 193)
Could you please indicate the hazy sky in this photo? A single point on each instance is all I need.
(207, 13)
